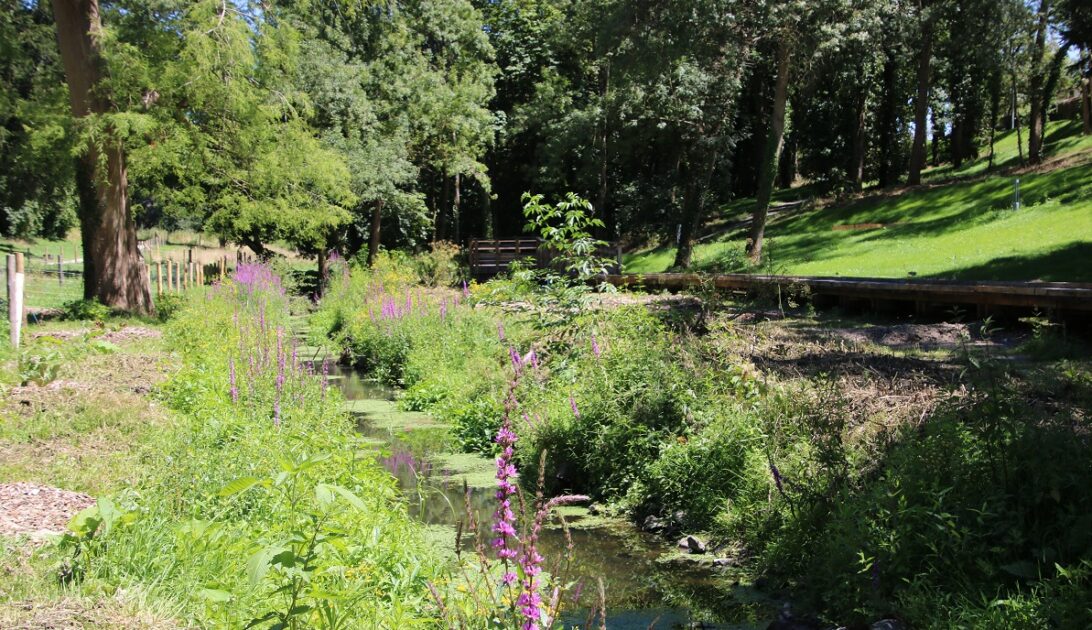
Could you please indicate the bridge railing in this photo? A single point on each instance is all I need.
(489, 257)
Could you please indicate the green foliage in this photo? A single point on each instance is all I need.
(440, 266)
(36, 170)
(566, 231)
(86, 310)
(168, 305)
(241, 520)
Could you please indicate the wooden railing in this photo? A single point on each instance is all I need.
(489, 257)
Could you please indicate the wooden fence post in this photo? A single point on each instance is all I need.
(159, 278)
(16, 283)
(60, 266)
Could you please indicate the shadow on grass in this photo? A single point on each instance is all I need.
(1072, 263)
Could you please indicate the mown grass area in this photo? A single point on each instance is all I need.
(77, 414)
(962, 230)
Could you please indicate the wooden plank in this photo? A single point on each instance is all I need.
(1022, 294)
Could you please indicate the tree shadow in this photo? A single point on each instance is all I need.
(1071, 263)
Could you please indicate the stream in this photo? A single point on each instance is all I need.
(648, 583)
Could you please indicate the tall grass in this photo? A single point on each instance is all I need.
(263, 507)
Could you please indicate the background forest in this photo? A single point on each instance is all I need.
(334, 125)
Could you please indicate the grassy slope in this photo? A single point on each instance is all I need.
(964, 229)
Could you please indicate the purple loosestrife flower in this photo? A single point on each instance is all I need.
(572, 403)
(777, 478)
(231, 379)
(595, 346)
(530, 600)
(277, 411)
(517, 362)
(500, 330)
(503, 517)
(466, 290)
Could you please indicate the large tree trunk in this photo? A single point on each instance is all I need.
(604, 155)
(773, 148)
(1035, 128)
(373, 242)
(114, 271)
(857, 167)
(457, 208)
(921, 104)
(698, 177)
(886, 172)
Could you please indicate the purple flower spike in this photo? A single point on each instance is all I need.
(595, 346)
(500, 330)
(517, 362)
(572, 403)
(466, 290)
(777, 478)
(231, 378)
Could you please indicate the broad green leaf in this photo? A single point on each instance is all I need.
(239, 485)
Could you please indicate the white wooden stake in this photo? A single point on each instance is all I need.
(16, 283)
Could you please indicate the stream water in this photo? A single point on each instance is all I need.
(647, 582)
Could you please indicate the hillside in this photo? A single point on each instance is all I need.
(960, 224)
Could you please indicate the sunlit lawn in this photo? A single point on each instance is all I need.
(962, 230)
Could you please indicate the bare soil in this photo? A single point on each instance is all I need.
(37, 511)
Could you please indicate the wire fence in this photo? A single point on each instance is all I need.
(51, 281)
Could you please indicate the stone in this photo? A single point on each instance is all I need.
(691, 544)
(888, 624)
(726, 562)
(654, 524)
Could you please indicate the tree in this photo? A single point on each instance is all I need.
(35, 126)
(1038, 83)
(926, 22)
(792, 25)
(114, 270)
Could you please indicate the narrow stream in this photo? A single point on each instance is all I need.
(646, 581)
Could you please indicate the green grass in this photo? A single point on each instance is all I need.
(963, 230)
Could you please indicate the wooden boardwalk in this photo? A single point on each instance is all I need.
(924, 293)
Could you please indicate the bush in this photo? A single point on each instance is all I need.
(86, 310)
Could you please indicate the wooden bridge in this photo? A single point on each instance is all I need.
(877, 293)
(489, 257)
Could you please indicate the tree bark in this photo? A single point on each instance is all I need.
(1086, 96)
(1035, 126)
(1016, 121)
(857, 168)
(773, 148)
(373, 242)
(921, 104)
(604, 157)
(114, 271)
(456, 208)
(698, 176)
(886, 173)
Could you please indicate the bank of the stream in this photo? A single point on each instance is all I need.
(855, 475)
(646, 581)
